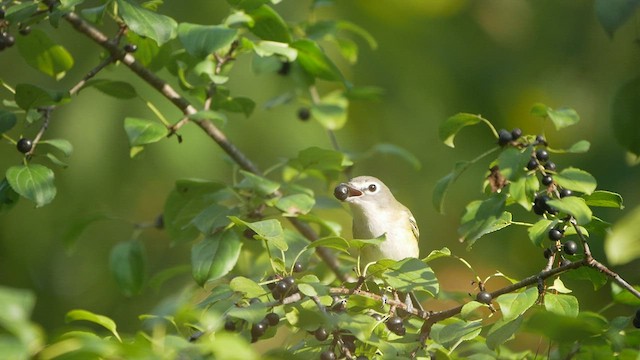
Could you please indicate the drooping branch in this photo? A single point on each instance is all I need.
(188, 109)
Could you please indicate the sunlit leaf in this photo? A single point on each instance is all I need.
(147, 23)
(259, 184)
(624, 296)
(524, 189)
(515, 304)
(452, 332)
(296, 204)
(563, 117)
(602, 198)
(561, 304)
(331, 111)
(573, 206)
(128, 265)
(244, 285)
(575, 179)
(33, 181)
(215, 256)
(411, 275)
(142, 131)
(538, 233)
(84, 315)
(268, 48)
(269, 230)
(512, 162)
(41, 53)
(483, 217)
(450, 128)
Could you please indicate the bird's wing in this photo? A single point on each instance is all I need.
(414, 226)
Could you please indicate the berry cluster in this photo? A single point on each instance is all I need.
(505, 136)
(283, 288)
(258, 329)
(570, 247)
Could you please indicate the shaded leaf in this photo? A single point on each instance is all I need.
(29, 97)
(128, 266)
(268, 25)
(147, 23)
(502, 331)
(450, 127)
(595, 277)
(512, 162)
(8, 196)
(613, 13)
(41, 53)
(215, 256)
(515, 304)
(259, 184)
(623, 296)
(567, 329)
(142, 131)
(218, 118)
(61, 144)
(483, 217)
(625, 112)
(296, 204)
(7, 120)
(442, 186)
(524, 189)
(538, 233)
(400, 152)
(117, 89)
(269, 230)
(622, 244)
(33, 181)
(451, 332)
(332, 242)
(411, 275)
(203, 40)
(573, 206)
(315, 62)
(84, 315)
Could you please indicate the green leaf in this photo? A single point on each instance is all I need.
(602, 198)
(94, 14)
(450, 127)
(269, 230)
(33, 181)
(117, 89)
(451, 332)
(580, 147)
(515, 304)
(400, 152)
(512, 162)
(296, 204)
(558, 286)
(261, 185)
(203, 40)
(538, 233)
(622, 244)
(149, 54)
(20, 12)
(16, 306)
(84, 315)
(502, 331)
(436, 254)
(8, 196)
(524, 189)
(563, 117)
(147, 23)
(41, 53)
(561, 304)
(252, 314)
(215, 256)
(318, 159)
(244, 285)
(142, 131)
(234, 104)
(411, 275)
(247, 5)
(61, 144)
(315, 62)
(595, 277)
(614, 13)
(625, 112)
(212, 218)
(268, 25)
(269, 48)
(332, 242)
(483, 217)
(218, 118)
(623, 296)
(331, 111)
(128, 266)
(573, 206)
(566, 329)
(442, 186)
(576, 180)
(29, 97)
(185, 202)
(7, 120)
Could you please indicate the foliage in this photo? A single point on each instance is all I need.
(254, 238)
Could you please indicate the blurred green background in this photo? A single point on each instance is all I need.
(434, 59)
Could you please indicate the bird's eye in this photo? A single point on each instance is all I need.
(373, 188)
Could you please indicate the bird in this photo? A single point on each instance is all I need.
(376, 212)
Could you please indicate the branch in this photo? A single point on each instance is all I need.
(188, 109)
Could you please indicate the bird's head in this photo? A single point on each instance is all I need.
(364, 190)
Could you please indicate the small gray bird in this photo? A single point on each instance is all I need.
(377, 212)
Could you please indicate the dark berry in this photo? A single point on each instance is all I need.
(2, 13)
(341, 192)
(257, 330)
(304, 113)
(349, 343)
(636, 323)
(229, 325)
(271, 285)
(541, 140)
(25, 30)
(532, 164)
(638, 314)
(285, 68)
(289, 280)
(484, 297)
(298, 267)
(321, 334)
(272, 319)
(565, 193)
(249, 233)
(394, 323)
(401, 331)
(24, 145)
(565, 262)
(550, 165)
(547, 253)
(377, 317)
(338, 304)
(516, 133)
(538, 210)
(555, 234)
(280, 290)
(328, 355)
(547, 180)
(570, 248)
(8, 39)
(254, 301)
(542, 155)
(504, 137)
(130, 48)
(362, 357)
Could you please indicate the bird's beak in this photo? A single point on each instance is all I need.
(353, 191)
